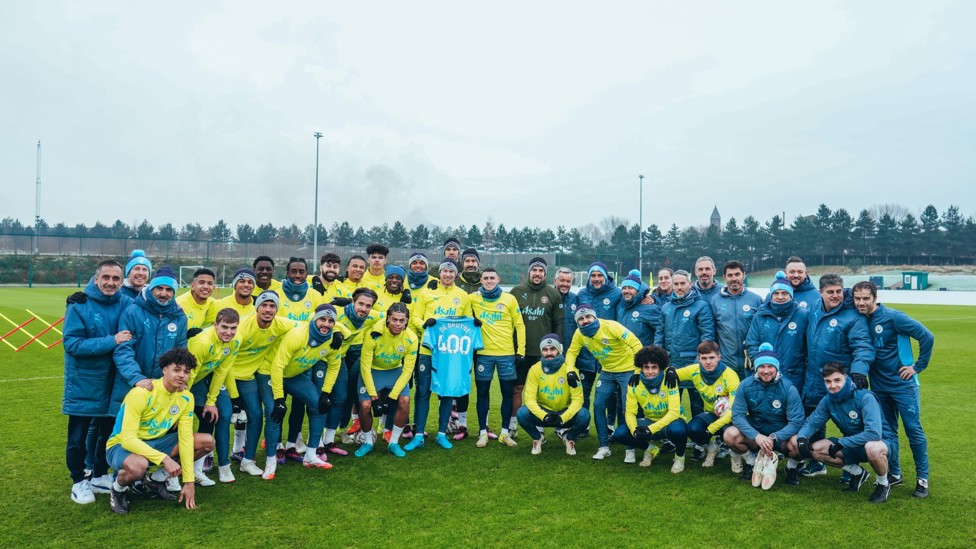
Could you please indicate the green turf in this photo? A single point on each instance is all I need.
(486, 497)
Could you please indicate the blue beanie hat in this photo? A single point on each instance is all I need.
(632, 280)
(418, 256)
(138, 257)
(582, 310)
(781, 283)
(163, 277)
(325, 310)
(241, 274)
(396, 270)
(448, 264)
(765, 356)
(598, 267)
(267, 295)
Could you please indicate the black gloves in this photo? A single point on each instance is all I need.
(192, 332)
(834, 448)
(552, 420)
(405, 297)
(634, 380)
(860, 381)
(670, 377)
(374, 335)
(803, 448)
(642, 433)
(432, 285)
(341, 301)
(278, 413)
(477, 322)
(572, 379)
(77, 297)
(337, 339)
(325, 403)
(429, 322)
(317, 285)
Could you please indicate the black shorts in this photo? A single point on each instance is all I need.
(522, 368)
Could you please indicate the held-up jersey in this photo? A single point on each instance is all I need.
(230, 302)
(147, 415)
(725, 385)
(197, 316)
(661, 406)
(612, 345)
(499, 318)
(295, 356)
(545, 393)
(213, 356)
(387, 352)
(452, 342)
(439, 303)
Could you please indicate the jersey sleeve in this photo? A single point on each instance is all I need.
(184, 431)
(519, 327)
(860, 341)
(278, 364)
(333, 362)
(904, 324)
(871, 412)
(574, 350)
(575, 400)
(630, 409)
(76, 341)
(220, 377)
(366, 365)
(816, 421)
(409, 363)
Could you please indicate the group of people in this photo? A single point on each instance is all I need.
(155, 384)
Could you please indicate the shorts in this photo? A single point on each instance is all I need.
(116, 455)
(383, 379)
(858, 454)
(522, 369)
(485, 366)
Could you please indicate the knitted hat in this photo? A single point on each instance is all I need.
(418, 256)
(396, 270)
(539, 262)
(600, 267)
(766, 355)
(781, 283)
(582, 310)
(163, 277)
(550, 340)
(452, 242)
(448, 264)
(138, 257)
(325, 310)
(242, 274)
(632, 280)
(470, 252)
(267, 295)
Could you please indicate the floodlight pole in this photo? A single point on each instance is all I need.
(315, 223)
(640, 237)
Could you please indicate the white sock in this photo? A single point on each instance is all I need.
(118, 487)
(198, 464)
(483, 432)
(750, 458)
(463, 419)
(382, 420)
(882, 480)
(290, 445)
(159, 475)
(441, 434)
(541, 428)
(370, 437)
(355, 417)
(512, 423)
(504, 432)
(280, 446)
(329, 437)
(395, 435)
(271, 462)
(239, 439)
(853, 469)
(309, 453)
(792, 463)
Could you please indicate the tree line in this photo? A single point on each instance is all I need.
(884, 234)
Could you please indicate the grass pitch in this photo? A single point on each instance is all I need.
(495, 496)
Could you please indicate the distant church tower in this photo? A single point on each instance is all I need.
(716, 219)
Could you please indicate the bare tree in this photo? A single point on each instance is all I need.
(896, 211)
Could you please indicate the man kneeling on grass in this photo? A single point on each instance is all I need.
(156, 425)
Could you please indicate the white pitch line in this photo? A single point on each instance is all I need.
(30, 379)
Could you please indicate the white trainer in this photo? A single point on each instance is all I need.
(537, 447)
(202, 479)
(81, 493)
(102, 484)
(602, 452)
(508, 440)
(769, 471)
(630, 455)
(736, 462)
(315, 462)
(679, 464)
(248, 466)
(649, 456)
(300, 443)
(482, 441)
(711, 452)
(269, 470)
(224, 474)
(570, 447)
(173, 484)
(758, 469)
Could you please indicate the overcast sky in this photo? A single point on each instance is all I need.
(531, 113)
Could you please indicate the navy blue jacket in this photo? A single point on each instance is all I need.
(840, 335)
(733, 316)
(767, 408)
(155, 329)
(89, 341)
(641, 320)
(891, 333)
(685, 323)
(855, 412)
(788, 336)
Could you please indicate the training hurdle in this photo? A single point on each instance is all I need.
(22, 328)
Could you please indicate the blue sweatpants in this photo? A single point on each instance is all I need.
(608, 385)
(255, 415)
(676, 432)
(575, 426)
(221, 429)
(907, 405)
